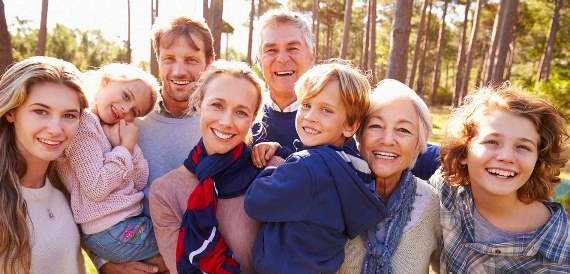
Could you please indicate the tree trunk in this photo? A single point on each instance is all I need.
(417, 48)
(544, 67)
(216, 11)
(250, 35)
(399, 40)
(6, 49)
(494, 42)
(316, 23)
(460, 58)
(481, 65)
(42, 35)
(366, 43)
(372, 54)
(511, 57)
(329, 34)
(206, 11)
(153, 56)
(505, 39)
(470, 50)
(423, 61)
(259, 8)
(129, 50)
(346, 29)
(436, 68)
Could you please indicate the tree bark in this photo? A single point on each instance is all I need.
(399, 40)
(42, 35)
(544, 67)
(511, 57)
(259, 8)
(372, 54)
(346, 29)
(481, 65)
(129, 50)
(366, 44)
(250, 35)
(440, 42)
(316, 23)
(206, 11)
(6, 50)
(470, 50)
(216, 11)
(153, 56)
(494, 42)
(460, 58)
(505, 39)
(423, 61)
(329, 34)
(417, 48)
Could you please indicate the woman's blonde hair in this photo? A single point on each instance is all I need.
(238, 70)
(15, 84)
(549, 123)
(117, 72)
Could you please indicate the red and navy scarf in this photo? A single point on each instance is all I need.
(201, 247)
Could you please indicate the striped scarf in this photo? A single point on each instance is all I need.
(201, 247)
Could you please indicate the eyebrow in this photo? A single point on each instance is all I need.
(523, 139)
(397, 122)
(224, 100)
(48, 107)
(290, 43)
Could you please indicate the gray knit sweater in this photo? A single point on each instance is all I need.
(165, 143)
(419, 246)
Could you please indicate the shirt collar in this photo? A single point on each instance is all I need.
(290, 108)
(164, 112)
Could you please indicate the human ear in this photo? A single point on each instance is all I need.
(10, 117)
(350, 130)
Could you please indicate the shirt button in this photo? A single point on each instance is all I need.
(497, 251)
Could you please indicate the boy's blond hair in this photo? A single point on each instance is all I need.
(354, 88)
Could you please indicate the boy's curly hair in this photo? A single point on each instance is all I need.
(548, 121)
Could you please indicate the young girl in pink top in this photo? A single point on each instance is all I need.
(105, 171)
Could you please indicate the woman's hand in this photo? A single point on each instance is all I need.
(129, 134)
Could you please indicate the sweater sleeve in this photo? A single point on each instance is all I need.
(99, 172)
(140, 169)
(281, 194)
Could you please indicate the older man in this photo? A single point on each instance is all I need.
(286, 51)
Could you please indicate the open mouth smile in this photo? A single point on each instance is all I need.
(501, 173)
(222, 135)
(385, 155)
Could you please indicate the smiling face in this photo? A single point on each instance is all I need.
(227, 112)
(390, 137)
(46, 122)
(118, 100)
(502, 155)
(323, 120)
(180, 66)
(285, 56)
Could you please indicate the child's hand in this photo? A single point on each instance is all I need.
(112, 133)
(263, 152)
(129, 134)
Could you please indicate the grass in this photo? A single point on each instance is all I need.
(88, 264)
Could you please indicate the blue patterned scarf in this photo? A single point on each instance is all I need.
(382, 240)
(201, 247)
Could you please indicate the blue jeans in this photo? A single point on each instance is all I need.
(130, 240)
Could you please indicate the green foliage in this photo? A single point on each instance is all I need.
(556, 90)
(86, 49)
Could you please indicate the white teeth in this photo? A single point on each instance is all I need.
(180, 82)
(284, 73)
(49, 142)
(222, 135)
(501, 172)
(385, 155)
(310, 130)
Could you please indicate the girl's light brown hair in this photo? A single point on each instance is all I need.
(549, 124)
(238, 70)
(15, 248)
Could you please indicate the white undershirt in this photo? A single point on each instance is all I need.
(54, 240)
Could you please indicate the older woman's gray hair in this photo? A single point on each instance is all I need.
(390, 89)
(283, 16)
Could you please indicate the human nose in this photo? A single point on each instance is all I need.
(226, 118)
(179, 68)
(54, 126)
(387, 137)
(505, 154)
(282, 56)
(310, 114)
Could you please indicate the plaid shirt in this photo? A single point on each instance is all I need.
(547, 251)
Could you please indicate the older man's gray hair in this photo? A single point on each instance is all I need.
(283, 16)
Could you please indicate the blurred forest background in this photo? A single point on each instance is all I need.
(441, 48)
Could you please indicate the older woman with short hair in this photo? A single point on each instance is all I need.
(392, 136)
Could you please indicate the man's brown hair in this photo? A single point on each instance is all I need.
(165, 32)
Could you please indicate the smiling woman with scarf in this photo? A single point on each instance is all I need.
(197, 209)
(393, 134)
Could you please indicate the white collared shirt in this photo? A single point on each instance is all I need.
(290, 108)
